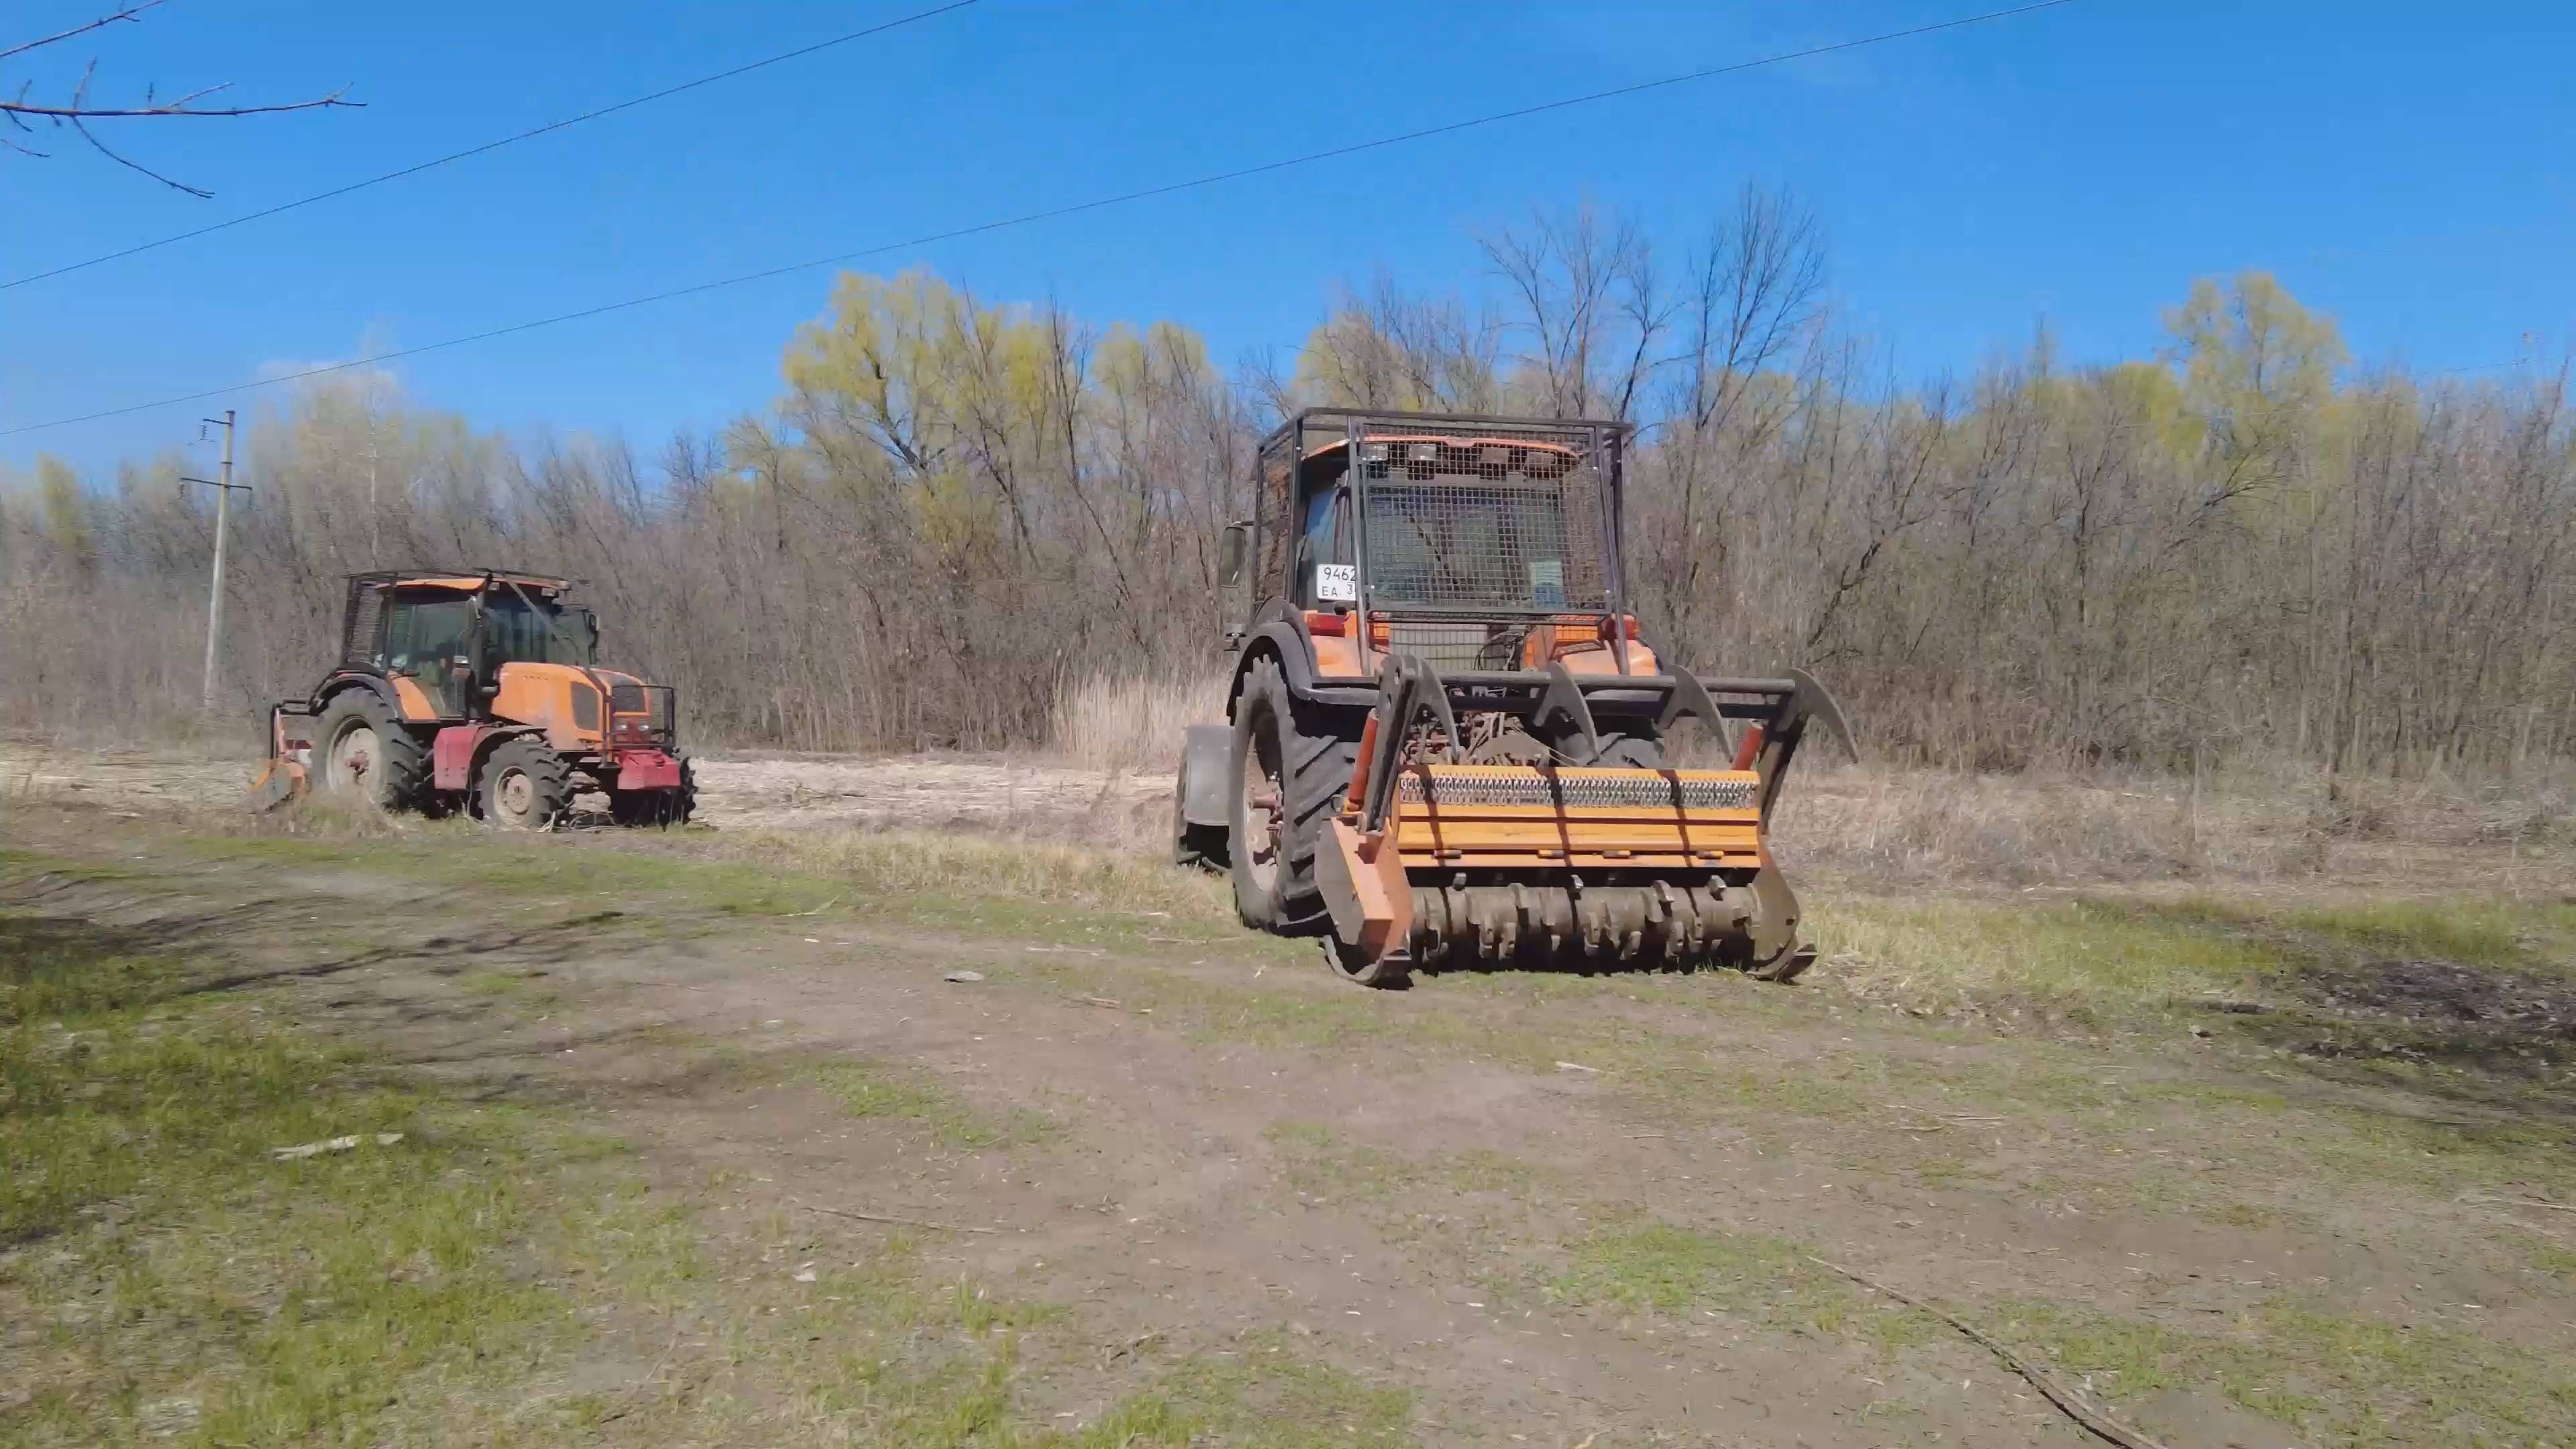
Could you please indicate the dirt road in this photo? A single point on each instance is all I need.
(1510, 1209)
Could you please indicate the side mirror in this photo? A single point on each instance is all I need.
(1233, 547)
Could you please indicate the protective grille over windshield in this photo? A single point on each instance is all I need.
(358, 623)
(1446, 518)
(1454, 645)
(1503, 524)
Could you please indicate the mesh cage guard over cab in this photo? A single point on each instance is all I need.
(1454, 534)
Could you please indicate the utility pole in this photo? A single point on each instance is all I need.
(223, 487)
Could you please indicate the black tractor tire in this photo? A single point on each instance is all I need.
(362, 748)
(523, 785)
(657, 808)
(1305, 753)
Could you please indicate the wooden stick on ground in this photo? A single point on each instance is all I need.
(891, 1218)
(2077, 1407)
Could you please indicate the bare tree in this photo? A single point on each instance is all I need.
(77, 110)
(1755, 285)
(959, 506)
(1590, 307)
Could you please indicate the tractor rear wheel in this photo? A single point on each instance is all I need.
(1292, 764)
(524, 785)
(657, 807)
(366, 751)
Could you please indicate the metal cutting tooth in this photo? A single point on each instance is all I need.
(1624, 790)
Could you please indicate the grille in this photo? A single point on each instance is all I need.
(643, 714)
(1450, 647)
(1512, 523)
(1463, 516)
(1576, 790)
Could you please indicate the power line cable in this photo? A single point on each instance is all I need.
(1054, 213)
(488, 146)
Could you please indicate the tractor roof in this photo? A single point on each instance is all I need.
(1451, 440)
(470, 580)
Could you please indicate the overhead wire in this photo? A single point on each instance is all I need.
(489, 146)
(1058, 212)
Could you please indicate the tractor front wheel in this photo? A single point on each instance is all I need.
(524, 785)
(366, 751)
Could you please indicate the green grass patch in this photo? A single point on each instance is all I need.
(2468, 930)
(867, 1089)
(2345, 1378)
(1262, 1395)
(1672, 1271)
(192, 1285)
(2077, 956)
(970, 885)
(2440, 1157)
(474, 862)
(54, 969)
(2107, 957)
(1321, 1163)
(15, 861)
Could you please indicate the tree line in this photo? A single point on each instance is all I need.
(2241, 545)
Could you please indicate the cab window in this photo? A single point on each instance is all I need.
(425, 630)
(1325, 540)
(524, 631)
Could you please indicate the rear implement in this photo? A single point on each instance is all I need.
(1447, 737)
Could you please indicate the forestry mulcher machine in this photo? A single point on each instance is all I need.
(478, 691)
(1447, 736)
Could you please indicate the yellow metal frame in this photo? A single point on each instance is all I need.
(1447, 835)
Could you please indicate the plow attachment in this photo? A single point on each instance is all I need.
(1439, 864)
(288, 771)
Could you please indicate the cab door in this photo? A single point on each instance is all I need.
(428, 633)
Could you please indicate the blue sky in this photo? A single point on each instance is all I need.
(2410, 170)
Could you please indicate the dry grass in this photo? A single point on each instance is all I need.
(2245, 823)
(1923, 826)
(1133, 721)
(965, 865)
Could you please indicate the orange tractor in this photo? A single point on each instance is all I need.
(1447, 732)
(476, 691)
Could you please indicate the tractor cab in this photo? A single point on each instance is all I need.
(1484, 545)
(452, 635)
